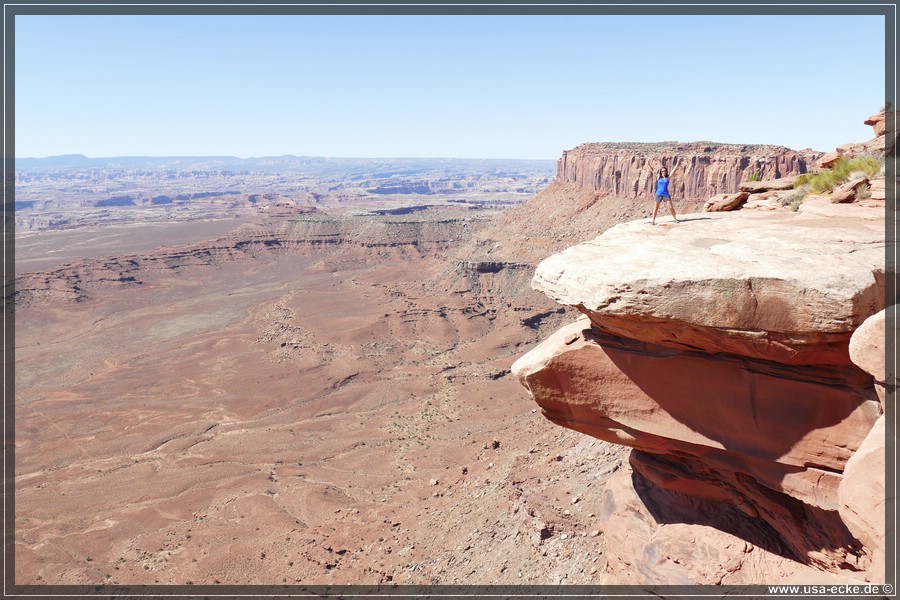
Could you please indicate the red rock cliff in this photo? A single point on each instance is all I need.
(699, 170)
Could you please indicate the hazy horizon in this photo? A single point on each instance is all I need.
(398, 157)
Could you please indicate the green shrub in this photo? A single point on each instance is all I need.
(753, 177)
(827, 180)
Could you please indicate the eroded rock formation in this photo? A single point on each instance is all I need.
(699, 170)
(720, 350)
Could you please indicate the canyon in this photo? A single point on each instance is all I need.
(274, 409)
(75, 191)
(307, 380)
(313, 394)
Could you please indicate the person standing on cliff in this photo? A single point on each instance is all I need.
(662, 194)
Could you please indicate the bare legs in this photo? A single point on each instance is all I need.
(671, 210)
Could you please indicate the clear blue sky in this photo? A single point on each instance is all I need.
(439, 86)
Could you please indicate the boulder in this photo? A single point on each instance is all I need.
(867, 345)
(828, 160)
(867, 350)
(725, 202)
(847, 191)
(877, 121)
(862, 498)
(755, 187)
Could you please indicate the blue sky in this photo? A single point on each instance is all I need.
(510, 86)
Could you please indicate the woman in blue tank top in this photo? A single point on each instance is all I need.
(662, 194)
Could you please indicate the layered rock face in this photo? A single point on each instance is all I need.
(311, 235)
(719, 349)
(699, 170)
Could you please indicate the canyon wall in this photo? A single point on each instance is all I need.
(353, 239)
(699, 170)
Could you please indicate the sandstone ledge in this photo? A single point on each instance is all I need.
(748, 272)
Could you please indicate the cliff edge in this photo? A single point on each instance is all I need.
(737, 354)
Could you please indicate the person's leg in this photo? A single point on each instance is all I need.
(672, 210)
(655, 210)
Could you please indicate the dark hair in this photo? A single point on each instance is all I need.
(659, 173)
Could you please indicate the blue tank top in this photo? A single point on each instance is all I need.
(662, 186)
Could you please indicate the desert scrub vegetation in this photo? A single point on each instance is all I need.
(795, 198)
(843, 169)
(863, 191)
(825, 181)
